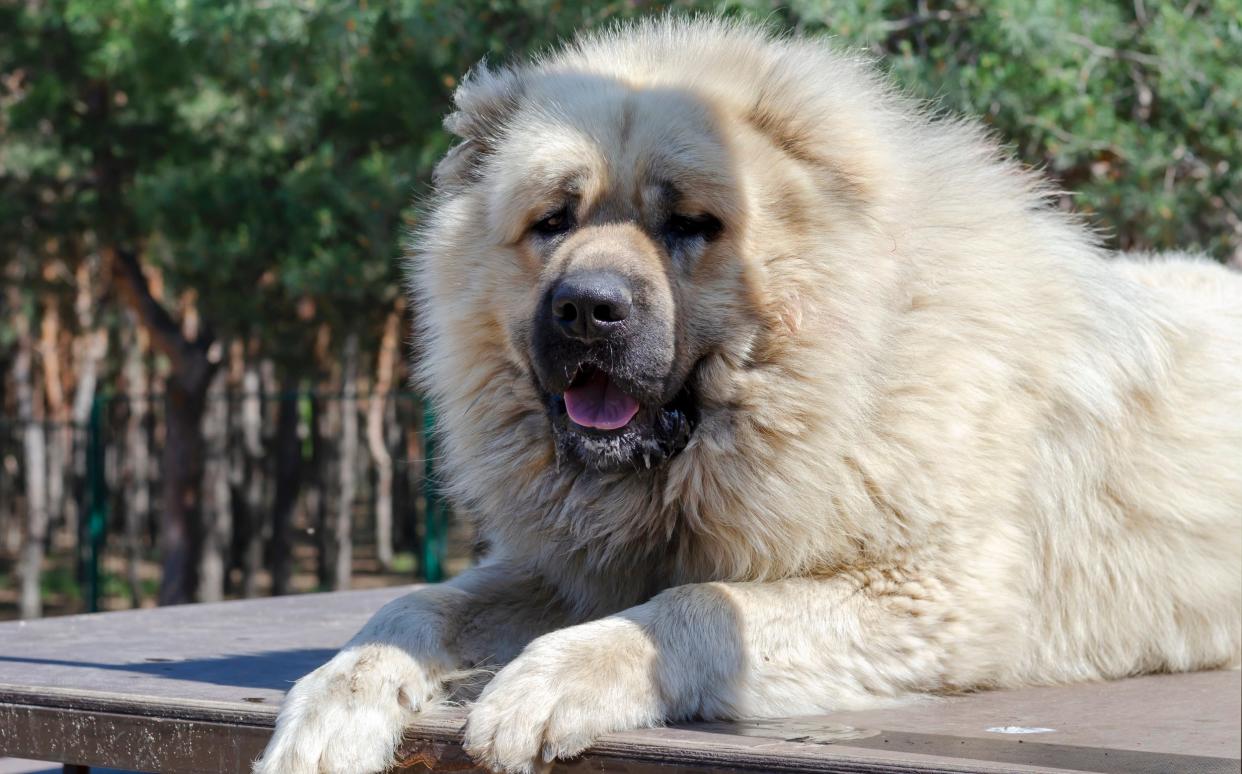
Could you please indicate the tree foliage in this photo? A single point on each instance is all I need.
(266, 155)
(1132, 106)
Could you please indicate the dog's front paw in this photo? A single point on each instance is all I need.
(565, 690)
(346, 717)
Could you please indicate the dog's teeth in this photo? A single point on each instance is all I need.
(647, 460)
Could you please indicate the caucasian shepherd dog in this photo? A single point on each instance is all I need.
(773, 394)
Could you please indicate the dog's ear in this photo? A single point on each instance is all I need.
(484, 102)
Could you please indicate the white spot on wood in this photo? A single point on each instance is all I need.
(1020, 730)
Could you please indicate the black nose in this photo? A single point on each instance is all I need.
(589, 306)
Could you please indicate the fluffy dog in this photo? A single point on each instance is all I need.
(773, 395)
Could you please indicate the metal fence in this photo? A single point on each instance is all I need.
(104, 481)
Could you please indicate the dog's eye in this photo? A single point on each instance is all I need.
(555, 224)
(681, 227)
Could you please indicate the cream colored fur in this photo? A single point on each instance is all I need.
(947, 442)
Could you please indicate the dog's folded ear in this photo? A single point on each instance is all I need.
(485, 100)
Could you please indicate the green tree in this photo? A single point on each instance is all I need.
(1131, 106)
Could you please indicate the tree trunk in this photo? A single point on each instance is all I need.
(347, 463)
(413, 470)
(90, 348)
(58, 431)
(137, 458)
(377, 443)
(321, 488)
(185, 390)
(30, 419)
(325, 421)
(181, 525)
(254, 479)
(217, 494)
(288, 482)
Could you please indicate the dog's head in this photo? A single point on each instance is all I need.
(623, 231)
(618, 218)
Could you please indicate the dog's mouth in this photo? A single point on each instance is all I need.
(598, 421)
(594, 401)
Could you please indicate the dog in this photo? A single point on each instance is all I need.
(774, 394)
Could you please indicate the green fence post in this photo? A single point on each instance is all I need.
(434, 527)
(97, 497)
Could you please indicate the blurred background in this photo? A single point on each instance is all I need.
(203, 342)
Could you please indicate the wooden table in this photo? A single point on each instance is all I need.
(196, 689)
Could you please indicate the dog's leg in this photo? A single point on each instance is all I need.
(347, 716)
(724, 650)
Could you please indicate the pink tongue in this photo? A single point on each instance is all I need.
(599, 403)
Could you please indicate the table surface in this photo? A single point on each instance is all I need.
(196, 688)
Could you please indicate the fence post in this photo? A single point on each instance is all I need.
(434, 526)
(97, 497)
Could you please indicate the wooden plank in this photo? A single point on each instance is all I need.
(186, 746)
(197, 688)
(138, 743)
(106, 730)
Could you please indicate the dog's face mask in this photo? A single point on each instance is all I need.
(621, 212)
(603, 343)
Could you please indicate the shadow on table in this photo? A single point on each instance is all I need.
(20, 766)
(270, 669)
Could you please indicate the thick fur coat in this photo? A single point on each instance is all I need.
(941, 440)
